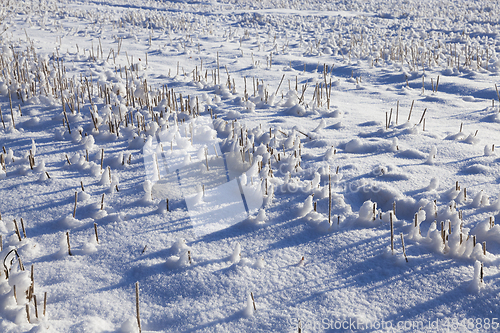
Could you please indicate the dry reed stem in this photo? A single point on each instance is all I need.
(404, 250)
(96, 235)
(22, 227)
(28, 313)
(392, 233)
(44, 304)
(423, 115)
(137, 306)
(76, 199)
(67, 241)
(411, 108)
(36, 306)
(329, 199)
(17, 230)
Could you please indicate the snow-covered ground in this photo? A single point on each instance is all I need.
(243, 166)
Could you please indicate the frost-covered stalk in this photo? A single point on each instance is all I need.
(102, 156)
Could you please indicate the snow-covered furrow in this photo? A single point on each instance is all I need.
(249, 166)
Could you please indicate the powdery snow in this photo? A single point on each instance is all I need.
(243, 162)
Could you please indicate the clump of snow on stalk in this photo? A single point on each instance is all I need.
(320, 127)
(306, 207)
(70, 222)
(451, 194)
(63, 246)
(236, 255)
(414, 232)
(249, 309)
(83, 196)
(477, 282)
(162, 207)
(329, 153)
(129, 326)
(433, 185)
(90, 246)
(261, 217)
(480, 200)
(366, 215)
(178, 261)
(114, 183)
(431, 159)
(394, 145)
(88, 142)
(105, 179)
(40, 166)
(487, 230)
(180, 255)
(148, 187)
(22, 281)
(433, 238)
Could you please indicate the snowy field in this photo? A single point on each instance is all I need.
(249, 166)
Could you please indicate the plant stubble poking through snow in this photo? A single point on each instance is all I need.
(199, 149)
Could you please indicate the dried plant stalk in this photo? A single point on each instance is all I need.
(96, 235)
(404, 250)
(392, 233)
(44, 304)
(28, 312)
(76, 199)
(329, 200)
(69, 246)
(17, 230)
(22, 227)
(36, 306)
(137, 306)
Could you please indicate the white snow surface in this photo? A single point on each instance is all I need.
(242, 163)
